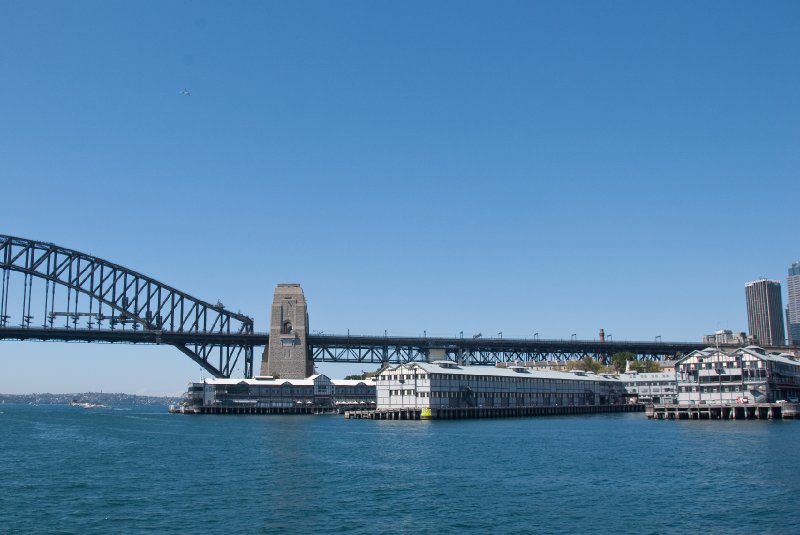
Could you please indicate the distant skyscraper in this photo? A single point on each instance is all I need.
(793, 307)
(765, 312)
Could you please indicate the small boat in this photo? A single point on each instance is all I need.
(84, 405)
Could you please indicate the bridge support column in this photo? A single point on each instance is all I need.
(287, 356)
(436, 353)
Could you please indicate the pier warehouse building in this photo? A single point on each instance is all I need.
(650, 387)
(446, 385)
(746, 375)
(266, 395)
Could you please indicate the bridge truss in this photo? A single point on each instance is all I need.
(49, 292)
(52, 293)
(481, 351)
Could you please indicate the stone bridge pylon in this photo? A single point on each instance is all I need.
(287, 355)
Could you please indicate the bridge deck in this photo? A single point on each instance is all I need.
(377, 349)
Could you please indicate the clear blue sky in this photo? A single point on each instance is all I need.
(551, 167)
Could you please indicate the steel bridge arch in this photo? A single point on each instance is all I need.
(131, 298)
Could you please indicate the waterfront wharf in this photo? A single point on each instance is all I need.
(728, 411)
(409, 413)
(251, 410)
(385, 414)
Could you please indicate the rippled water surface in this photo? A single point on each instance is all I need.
(72, 470)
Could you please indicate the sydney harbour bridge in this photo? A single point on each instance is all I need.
(52, 293)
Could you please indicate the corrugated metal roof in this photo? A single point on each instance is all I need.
(754, 351)
(488, 371)
(308, 381)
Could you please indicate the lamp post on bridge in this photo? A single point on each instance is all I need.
(574, 335)
(535, 336)
(658, 338)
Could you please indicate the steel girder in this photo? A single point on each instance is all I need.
(488, 351)
(127, 300)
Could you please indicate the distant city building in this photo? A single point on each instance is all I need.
(746, 375)
(793, 306)
(667, 366)
(765, 312)
(726, 337)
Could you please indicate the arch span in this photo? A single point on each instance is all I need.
(117, 304)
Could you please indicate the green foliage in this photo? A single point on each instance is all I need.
(620, 360)
(587, 364)
(644, 366)
(362, 376)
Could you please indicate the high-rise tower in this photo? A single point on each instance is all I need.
(793, 305)
(765, 312)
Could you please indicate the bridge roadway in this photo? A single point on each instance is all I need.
(481, 351)
(375, 349)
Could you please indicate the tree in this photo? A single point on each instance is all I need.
(587, 364)
(363, 376)
(645, 366)
(620, 360)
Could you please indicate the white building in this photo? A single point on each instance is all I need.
(647, 387)
(746, 375)
(445, 384)
(264, 393)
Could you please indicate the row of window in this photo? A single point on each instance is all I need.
(732, 388)
(296, 391)
(402, 377)
(483, 378)
(755, 375)
(480, 391)
(729, 365)
(462, 395)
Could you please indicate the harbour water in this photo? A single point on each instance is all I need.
(75, 470)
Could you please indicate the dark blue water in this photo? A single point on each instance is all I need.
(71, 470)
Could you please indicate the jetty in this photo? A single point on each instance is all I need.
(725, 411)
(425, 413)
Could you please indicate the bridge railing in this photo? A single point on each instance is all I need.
(481, 351)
